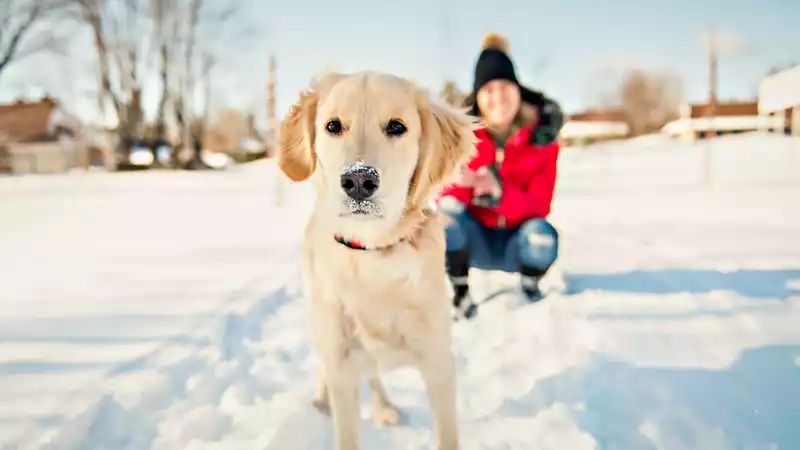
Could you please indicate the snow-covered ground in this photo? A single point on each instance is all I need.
(164, 311)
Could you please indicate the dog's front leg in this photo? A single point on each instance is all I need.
(439, 374)
(340, 373)
(344, 395)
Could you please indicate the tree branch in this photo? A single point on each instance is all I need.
(8, 53)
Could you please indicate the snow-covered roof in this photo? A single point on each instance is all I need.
(589, 129)
(725, 123)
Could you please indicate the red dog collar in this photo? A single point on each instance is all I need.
(357, 245)
(354, 244)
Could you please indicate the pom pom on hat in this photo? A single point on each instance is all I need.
(496, 41)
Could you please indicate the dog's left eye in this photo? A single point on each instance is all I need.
(395, 128)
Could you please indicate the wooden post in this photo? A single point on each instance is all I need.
(711, 110)
(272, 129)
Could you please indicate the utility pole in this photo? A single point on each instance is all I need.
(272, 128)
(272, 122)
(711, 109)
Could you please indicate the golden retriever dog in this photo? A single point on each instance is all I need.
(376, 147)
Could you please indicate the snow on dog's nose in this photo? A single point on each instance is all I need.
(359, 182)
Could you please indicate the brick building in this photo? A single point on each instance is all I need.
(27, 122)
(41, 137)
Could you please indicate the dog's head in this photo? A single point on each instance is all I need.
(377, 145)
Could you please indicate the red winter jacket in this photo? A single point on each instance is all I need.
(527, 176)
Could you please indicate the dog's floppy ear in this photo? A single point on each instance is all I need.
(297, 157)
(456, 140)
(448, 140)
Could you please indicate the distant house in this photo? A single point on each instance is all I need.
(39, 137)
(697, 122)
(234, 134)
(779, 97)
(594, 125)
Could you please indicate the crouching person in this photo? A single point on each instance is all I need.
(500, 204)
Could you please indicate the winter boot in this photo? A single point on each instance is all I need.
(457, 270)
(529, 281)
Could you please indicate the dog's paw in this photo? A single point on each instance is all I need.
(322, 406)
(386, 416)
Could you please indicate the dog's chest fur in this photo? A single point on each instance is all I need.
(378, 295)
(388, 299)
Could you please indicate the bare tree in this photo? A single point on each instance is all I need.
(199, 122)
(165, 20)
(135, 39)
(197, 58)
(648, 99)
(451, 94)
(18, 19)
(118, 28)
(186, 93)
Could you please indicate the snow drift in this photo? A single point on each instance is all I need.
(163, 311)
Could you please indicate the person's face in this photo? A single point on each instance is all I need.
(499, 102)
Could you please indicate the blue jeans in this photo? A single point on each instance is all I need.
(534, 244)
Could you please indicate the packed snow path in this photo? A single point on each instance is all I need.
(164, 311)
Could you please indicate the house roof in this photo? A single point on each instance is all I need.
(23, 121)
(724, 109)
(599, 115)
(594, 123)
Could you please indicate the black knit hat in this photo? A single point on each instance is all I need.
(494, 64)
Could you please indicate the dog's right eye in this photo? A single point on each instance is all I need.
(334, 127)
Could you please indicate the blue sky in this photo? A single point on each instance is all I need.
(578, 38)
(579, 41)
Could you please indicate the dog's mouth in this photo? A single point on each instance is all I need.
(361, 208)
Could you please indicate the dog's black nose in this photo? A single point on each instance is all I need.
(360, 182)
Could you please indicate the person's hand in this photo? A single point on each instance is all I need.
(468, 177)
(486, 183)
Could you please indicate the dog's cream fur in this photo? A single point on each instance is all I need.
(377, 309)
